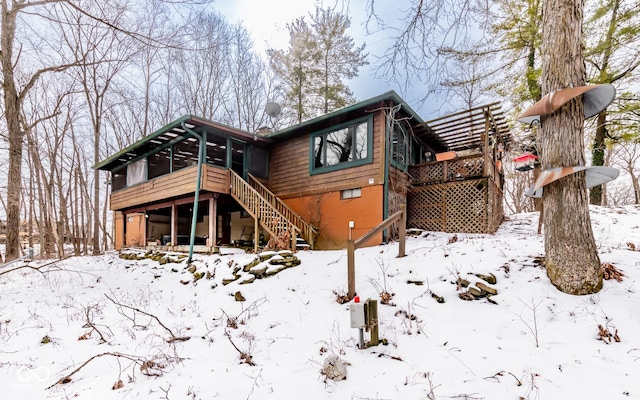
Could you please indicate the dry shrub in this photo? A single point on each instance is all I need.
(606, 336)
(609, 272)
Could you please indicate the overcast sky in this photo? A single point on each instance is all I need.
(266, 21)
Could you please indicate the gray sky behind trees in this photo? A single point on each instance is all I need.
(266, 20)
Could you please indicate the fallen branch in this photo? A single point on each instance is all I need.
(27, 266)
(89, 315)
(246, 357)
(145, 366)
(173, 337)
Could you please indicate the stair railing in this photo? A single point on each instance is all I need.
(308, 232)
(260, 208)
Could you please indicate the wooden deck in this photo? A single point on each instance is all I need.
(179, 183)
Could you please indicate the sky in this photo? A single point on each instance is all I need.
(266, 21)
(529, 342)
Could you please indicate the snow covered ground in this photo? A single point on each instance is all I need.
(527, 342)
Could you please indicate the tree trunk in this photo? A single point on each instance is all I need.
(572, 261)
(597, 155)
(14, 133)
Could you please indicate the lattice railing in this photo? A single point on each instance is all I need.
(472, 206)
(307, 231)
(276, 224)
(444, 171)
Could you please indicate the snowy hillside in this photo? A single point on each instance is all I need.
(134, 317)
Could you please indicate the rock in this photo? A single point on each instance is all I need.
(238, 296)
(258, 272)
(264, 256)
(226, 281)
(490, 279)
(192, 269)
(461, 282)
(252, 264)
(334, 368)
(486, 289)
(248, 280)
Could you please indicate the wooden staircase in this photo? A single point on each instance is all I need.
(271, 212)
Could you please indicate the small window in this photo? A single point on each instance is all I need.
(351, 193)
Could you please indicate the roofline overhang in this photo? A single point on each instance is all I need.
(390, 95)
(198, 123)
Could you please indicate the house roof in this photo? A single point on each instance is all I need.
(360, 109)
(172, 133)
(453, 132)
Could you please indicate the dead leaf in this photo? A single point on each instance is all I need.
(117, 385)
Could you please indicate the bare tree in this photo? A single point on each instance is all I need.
(249, 90)
(17, 81)
(106, 53)
(627, 156)
(201, 70)
(611, 57)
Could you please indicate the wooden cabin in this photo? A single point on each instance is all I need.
(200, 183)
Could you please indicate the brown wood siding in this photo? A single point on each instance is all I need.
(179, 183)
(216, 179)
(289, 167)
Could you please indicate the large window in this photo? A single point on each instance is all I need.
(347, 146)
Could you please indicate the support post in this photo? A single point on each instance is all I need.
(213, 219)
(174, 224)
(402, 231)
(372, 322)
(194, 217)
(294, 237)
(256, 235)
(351, 269)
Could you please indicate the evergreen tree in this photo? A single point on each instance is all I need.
(612, 57)
(296, 68)
(339, 58)
(320, 57)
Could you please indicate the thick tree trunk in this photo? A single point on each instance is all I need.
(572, 261)
(14, 133)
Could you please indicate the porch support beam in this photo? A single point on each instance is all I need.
(194, 218)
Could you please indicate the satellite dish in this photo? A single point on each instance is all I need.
(272, 109)
(595, 97)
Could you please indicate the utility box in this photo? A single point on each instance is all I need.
(358, 317)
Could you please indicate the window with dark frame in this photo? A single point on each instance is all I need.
(399, 146)
(348, 145)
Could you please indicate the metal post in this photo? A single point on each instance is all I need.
(194, 218)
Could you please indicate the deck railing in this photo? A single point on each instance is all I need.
(467, 167)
